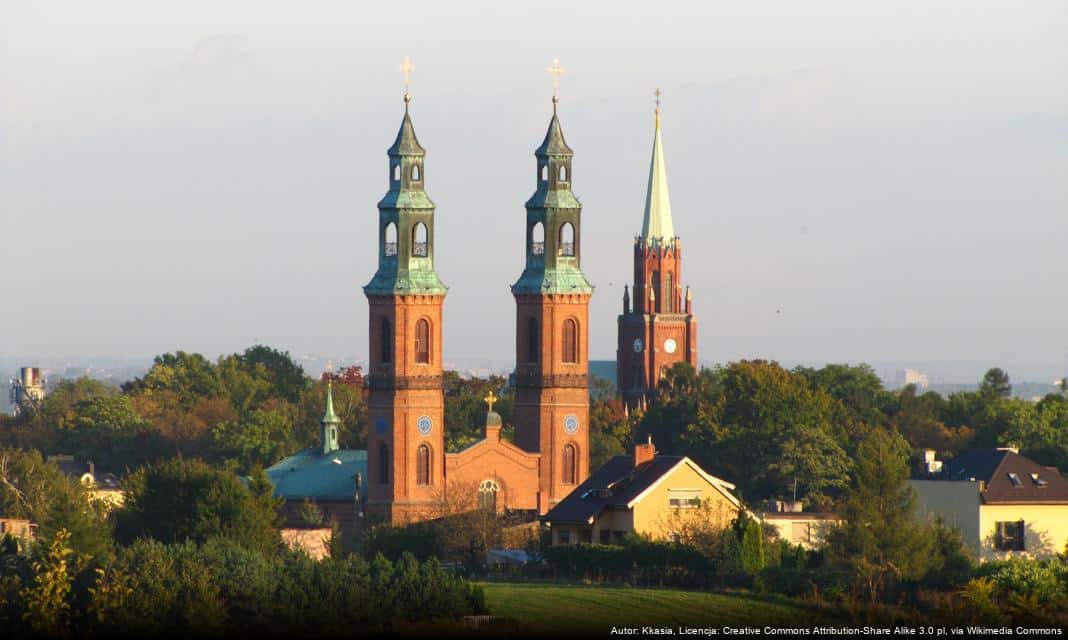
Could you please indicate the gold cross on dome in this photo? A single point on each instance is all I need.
(557, 71)
(490, 399)
(407, 68)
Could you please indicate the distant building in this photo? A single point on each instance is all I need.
(23, 531)
(647, 494)
(905, 377)
(102, 486)
(27, 390)
(1003, 503)
(797, 526)
(327, 478)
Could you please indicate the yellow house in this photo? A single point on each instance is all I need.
(648, 494)
(1003, 503)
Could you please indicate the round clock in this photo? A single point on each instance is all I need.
(637, 345)
(381, 425)
(425, 424)
(571, 424)
(670, 345)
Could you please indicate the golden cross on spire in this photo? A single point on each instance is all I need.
(407, 68)
(557, 71)
(490, 399)
(658, 93)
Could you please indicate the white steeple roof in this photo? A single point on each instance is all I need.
(657, 226)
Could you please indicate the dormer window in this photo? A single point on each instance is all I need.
(1039, 482)
(1015, 480)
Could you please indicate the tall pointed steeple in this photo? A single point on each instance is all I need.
(329, 423)
(656, 225)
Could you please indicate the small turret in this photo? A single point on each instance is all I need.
(329, 423)
(626, 299)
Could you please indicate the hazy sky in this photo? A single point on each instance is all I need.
(852, 181)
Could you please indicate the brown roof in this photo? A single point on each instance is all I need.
(1008, 477)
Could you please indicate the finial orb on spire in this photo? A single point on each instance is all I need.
(556, 70)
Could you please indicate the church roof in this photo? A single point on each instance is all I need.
(554, 143)
(406, 143)
(330, 417)
(656, 224)
(310, 474)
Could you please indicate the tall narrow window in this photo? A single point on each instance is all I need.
(570, 341)
(569, 470)
(396, 172)
(422, 465)
(669, 294)
(567, 239)
(532, 340)
(422, 341)
(544, 173)
(563, 174)
(386, 346)
(420, 244)
(383, 463)
(416, 173)
(487, 495)
(537, 239)
(654, 286)
(389, 240)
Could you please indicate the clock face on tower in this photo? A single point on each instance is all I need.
(670, 345)
(637, 345)
(425, 425)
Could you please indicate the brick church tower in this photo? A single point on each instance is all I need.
(552, 299)
(657, 327)
(405, 439)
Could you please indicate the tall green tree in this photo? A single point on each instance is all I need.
(995, 384)
(881, 538)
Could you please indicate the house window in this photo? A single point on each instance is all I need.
(618, 536)
(586, 535)
(422, 465)
(605, 536)
(570, 471)
(684, 498)
(570, 341)
(800, 532)
(1010, 536)
(564, 536)
(422, 341)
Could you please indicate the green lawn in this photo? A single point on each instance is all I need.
(594, 610)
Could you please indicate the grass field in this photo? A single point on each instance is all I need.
(594, 610)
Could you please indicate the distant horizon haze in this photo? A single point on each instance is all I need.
(851, 183)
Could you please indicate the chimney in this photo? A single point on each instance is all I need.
(644, 452)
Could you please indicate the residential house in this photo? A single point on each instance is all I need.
(648, 494)
(1003, 503)
(797, 526)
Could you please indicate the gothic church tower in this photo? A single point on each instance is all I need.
(405, 439)
(657, 327)
(552, 299)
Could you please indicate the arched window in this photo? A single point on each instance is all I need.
(532, 340)
(416, 173)
(669, 294)
(487, 495)
(420, 244)
(562, 177)
(654, 286)
(383, 463)
(422, 341)
(570, 341)
(386, 346)
(396, 172)
(567, 239)
(544, 173)
(537, 239)
(389, 240)
(422, 465)
(569, 470)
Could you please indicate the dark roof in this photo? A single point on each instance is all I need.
(614, 485)
(554, 143)
(1008, 477)
(406, 143)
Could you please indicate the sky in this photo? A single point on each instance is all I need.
(877, 182)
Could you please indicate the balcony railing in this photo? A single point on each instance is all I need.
(391, 248)
(537, 248)
(567, 248)
(420, 250)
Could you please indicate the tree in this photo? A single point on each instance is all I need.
(285, 376)
(178, 500)
(995, 384)
(46, 602)
(262, 437)
(113, 412)
(881, 539)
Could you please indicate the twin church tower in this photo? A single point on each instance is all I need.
(410, 475)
